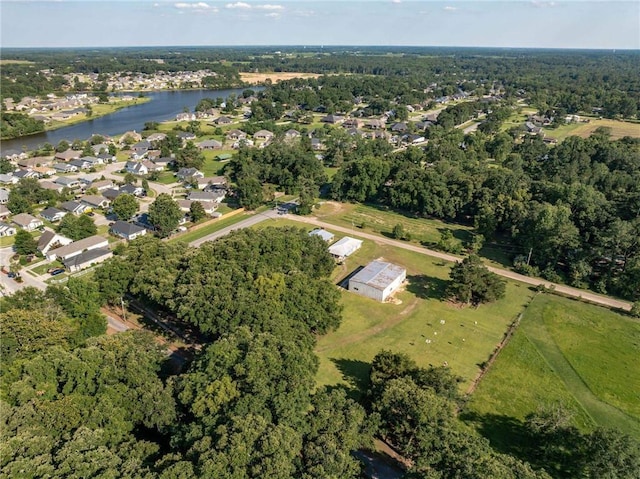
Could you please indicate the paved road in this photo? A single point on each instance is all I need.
(252, 220)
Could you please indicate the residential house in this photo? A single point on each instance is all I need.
(141, 146)
(93, 161)
(151, 166)
(155, 137)
(81, 164)
(95, 201)
(214, 182)
(7, 230)
(100, 148)
(264, 135)
(64, 168)
(223, 120)
(77, 247)
(101, 185)
(210, 145)
(49, 185)
(73, 207)
(207, 196)
(208, 206)
(107, 157)
(291, 134)
(33, 162)
(67, 155)
(87, 259)
(67, 182)
(242, 143)
(164, 162)
(399, 127)
(186, 116)
(4, 196)
(51, 240)
(136, 168)
(44, 170)
(26, 174)
(376, 124)
(4, 212)
(111, 193)
(131, 136)
(132, 190)
(27, 222)
(53, 214)
(128, 231)
(531, 128)
(8, 179)
(316, 144)
(353, 123)
(186, 173)
(332, 119)
(236, 135)
(186, 136)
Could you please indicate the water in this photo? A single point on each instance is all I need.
(164, 105)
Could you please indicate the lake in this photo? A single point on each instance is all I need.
(164, 105)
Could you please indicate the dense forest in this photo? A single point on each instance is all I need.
(77, 402)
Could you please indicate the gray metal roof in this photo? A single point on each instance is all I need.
(378, 274)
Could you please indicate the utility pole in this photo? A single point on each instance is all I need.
(529, 257)
(124, 316)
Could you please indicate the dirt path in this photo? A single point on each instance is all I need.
(566, 290)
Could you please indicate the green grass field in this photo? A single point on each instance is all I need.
(618, 128)
(429, 330)
(564, 352)
(215, 225)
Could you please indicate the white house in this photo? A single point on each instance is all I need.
(378, 280)
(50, 240)
(7, 230)
(87, 258)
(344, 248)
(77, 247)
(27, 222)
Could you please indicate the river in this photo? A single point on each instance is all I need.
(164, 105)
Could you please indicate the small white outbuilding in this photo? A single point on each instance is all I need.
(322, 233)
(378, 280)
(344, 248)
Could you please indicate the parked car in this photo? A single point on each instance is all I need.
(12, 275)
(57, 271)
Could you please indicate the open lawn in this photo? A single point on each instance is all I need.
(212, 227)
(564, 352)
(431, 331)
(97, 110)
(618, 128)
(274, 77)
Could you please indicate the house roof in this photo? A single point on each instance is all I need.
(50, 237)
(50, 212)
(63, 180)
(324, 234)
(345, 246)
(80, 245)
(93, 200)
(378, 274)
(209, 144)
(123, 228)
(71, 205)
(86, 257)
(24, 219)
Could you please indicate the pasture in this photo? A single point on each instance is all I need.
(618, 129)
(564, 352)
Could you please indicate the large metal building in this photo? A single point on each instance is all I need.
(377, 280)
(344, 248)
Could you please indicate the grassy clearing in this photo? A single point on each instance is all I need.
(166, 177)
(97, 111)
(578, 355)
(42, 269)
(274, 77)
(215, 225)
(7, 241)
(618, 128)
(462, 337)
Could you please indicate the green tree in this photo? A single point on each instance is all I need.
(164, 215)
(124, 206)
(471, 282)
(18, 203)
(196, 211)
(77, 227)
(249, 192)
(25, 243)
(130, 179)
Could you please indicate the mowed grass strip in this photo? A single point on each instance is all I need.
(565, 352)
(431, 331)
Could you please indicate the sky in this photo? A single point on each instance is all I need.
(480, 23)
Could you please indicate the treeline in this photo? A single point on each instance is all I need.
(573, 211)
(15, 125)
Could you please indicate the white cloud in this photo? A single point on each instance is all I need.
(269, 7)
(396, 1)
(195, 6)
(238, 5)
(272, 15)
(450, 9)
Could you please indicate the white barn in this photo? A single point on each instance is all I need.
(344, 248)
(322, 233)
(377, 280)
